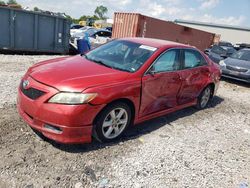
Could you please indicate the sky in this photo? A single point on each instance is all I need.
(229, 12)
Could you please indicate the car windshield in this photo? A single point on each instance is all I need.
(218, 50)
(242, 55)
(121, 55)
(228, 44)
(229, 50)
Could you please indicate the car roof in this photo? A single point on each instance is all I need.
(157, 43)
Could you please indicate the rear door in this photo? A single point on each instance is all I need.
(194, 75)
(161, 83)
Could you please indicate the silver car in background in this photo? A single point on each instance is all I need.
(237, 66)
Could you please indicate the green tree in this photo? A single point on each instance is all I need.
(2, 3)
(36, 9)
(70, 18)
(100, 12)
(85, 17)
(12, 2)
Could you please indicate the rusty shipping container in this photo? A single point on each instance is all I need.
(137, 25)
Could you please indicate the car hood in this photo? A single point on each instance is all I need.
(74, 74)
(237, 63)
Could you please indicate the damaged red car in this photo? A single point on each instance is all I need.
(117, 85)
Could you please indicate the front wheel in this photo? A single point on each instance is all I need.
(204, 98)
(111, 123)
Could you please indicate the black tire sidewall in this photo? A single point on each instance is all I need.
(198, 106)
(101, 117)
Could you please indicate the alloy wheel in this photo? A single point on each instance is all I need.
(205, 97)
(114, 123)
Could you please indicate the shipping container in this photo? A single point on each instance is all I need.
(29, 31)
(137, 25)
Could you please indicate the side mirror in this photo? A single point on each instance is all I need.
(206, 51)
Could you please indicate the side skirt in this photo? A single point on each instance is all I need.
(165, 112)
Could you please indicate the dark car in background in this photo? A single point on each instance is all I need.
(237, 66)
(75, 26)
(218, 52)
(241, 46)
(108, 28)
(224, 43)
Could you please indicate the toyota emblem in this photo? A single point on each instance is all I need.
(26, 84)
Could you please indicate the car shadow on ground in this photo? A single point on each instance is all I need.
(236, 82)
(137, 131)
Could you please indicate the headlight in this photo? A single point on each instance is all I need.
(222, 63)
(72, 98)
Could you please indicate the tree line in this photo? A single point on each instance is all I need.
(9, 2)
(99, 13)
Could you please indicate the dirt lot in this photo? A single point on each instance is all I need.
(189, 148)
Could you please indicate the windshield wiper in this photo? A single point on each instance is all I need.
(117, 68)
(96, 61)
(100, 63)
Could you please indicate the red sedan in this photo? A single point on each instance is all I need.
(121, 83)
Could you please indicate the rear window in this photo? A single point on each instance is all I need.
(193, 58)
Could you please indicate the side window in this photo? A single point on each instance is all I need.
(169, 61)
(104, 34)
(193, 58)
(99, 33)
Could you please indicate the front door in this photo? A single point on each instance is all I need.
(161, 84)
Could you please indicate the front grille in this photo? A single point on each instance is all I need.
(237, 69)
(32, 93)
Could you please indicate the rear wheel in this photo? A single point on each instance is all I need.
(204, 98)
(112, 122)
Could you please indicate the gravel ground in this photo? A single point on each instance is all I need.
(188, 148)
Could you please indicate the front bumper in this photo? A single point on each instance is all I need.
(240, 76)
(73, 121)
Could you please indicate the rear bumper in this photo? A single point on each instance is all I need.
(73, 123)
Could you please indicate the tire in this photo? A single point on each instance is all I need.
(112, 122)
(204, 98)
